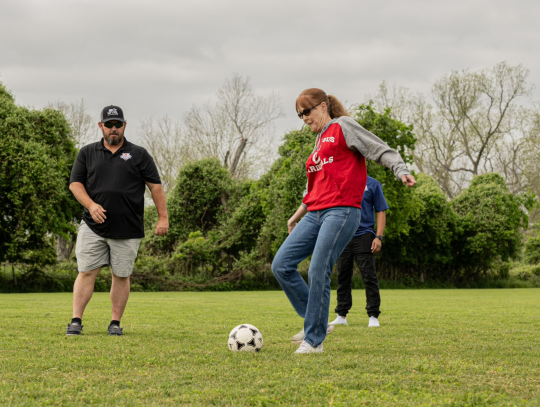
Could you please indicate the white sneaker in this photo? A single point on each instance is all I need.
(307, 348)
(299, 337)
(339, 321)
(373, 322)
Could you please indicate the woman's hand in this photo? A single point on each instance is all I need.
(291, 224)
(408, 180)
(293, 221)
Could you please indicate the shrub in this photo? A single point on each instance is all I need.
(491, 218)
(532, 251)
(195, 204)
(427, 250)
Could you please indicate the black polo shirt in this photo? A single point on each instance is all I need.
(117, 183)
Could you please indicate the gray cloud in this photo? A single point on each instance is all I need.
(160, 57)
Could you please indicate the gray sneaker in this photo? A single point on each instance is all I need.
(74, 329)
(299, 337)
(115, 330)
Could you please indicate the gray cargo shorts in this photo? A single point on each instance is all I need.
(94, 251)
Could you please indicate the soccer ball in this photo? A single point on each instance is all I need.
(245, 338)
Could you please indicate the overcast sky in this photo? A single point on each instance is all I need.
(156, 58)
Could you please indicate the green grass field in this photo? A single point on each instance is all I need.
(434, 347)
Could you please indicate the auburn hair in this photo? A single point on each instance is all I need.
(313, 97)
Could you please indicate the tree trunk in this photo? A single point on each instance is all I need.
(237, 155)
(223, 197)
(63, 248)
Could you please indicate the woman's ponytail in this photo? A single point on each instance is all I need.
(336, 108)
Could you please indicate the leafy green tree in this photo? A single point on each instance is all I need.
(491, 218)
(258, 227)
(35, 163)
(219, 251)
(195, 204)
(401, 200)
(426, 252)
(282, 188)
(532, 251)
(287, 178)
(251, 230)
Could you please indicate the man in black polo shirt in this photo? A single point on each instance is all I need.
(109, 179)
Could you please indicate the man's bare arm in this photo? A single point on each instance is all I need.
(381, 224)
(162, 227)
(96, 211)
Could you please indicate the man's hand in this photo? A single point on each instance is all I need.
(376, 245)
(162, 227)
(408, 180)
(97, 212)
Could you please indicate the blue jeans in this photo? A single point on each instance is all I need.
(324, 234)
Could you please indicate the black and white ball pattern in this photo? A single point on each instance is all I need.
(245, 338)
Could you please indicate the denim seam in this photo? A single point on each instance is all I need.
(325, 266)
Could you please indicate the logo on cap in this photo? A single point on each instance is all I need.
(112, 112)
(125, 156)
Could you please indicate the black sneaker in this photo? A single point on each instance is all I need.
(74, 329)
(115, 330)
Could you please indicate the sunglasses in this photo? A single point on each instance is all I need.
(306, 112)
(110, 125)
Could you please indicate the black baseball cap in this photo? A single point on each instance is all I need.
(112, 113)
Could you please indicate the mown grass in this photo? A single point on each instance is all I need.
(435, 347)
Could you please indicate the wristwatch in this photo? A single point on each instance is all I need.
(379, 237)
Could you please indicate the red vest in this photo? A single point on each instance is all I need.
(337, 175)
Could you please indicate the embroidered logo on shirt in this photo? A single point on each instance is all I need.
(112, 112)
(319, 162)
(125, 156)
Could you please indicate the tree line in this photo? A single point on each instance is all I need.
(428, 237)
(473, 143)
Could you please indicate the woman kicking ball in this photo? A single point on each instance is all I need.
(330, 212)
